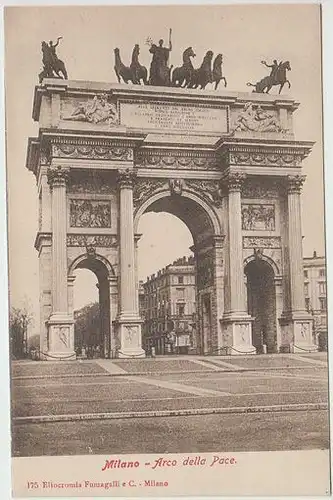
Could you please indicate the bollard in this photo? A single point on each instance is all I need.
(153, 354)
(264, 349)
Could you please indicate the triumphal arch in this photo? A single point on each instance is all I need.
(226, 163)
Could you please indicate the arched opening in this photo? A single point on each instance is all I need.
(261, 299)
(176, 272)
(91, 304)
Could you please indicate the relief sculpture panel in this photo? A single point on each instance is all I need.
(257, 217)
(90, 213)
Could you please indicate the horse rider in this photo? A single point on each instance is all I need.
(160, 60)
(274, 68)
(52, 51)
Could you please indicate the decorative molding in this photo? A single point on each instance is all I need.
(92, 240)
(89, 213)
(265, 158)
(176, 186)
(258, 217)
(185, 160)
(207, 189)
(92, 152)
(58, 176)
(253, 118)
(261, 242)
(295, 183)
(43, 239)
(96, 111)
(144, 188)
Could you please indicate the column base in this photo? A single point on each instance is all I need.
(237, 334)
(297, 333)
(60, 338)
(129, 337)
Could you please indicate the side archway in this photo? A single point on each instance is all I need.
(261, 272)
(104, 273)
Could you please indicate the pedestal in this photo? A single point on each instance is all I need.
(238, 332)
(129, 332)
(60, 338)
(297, 333)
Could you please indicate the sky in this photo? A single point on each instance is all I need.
(244, 34)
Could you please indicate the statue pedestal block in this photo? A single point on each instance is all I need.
(60, 338)
(237, 334)
(129, 335)
(297, 331)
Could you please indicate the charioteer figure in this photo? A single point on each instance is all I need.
(159, 70)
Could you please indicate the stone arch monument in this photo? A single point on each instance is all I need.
(226, 163)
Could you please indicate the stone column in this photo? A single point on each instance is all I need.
(129, 320)
(61, 323)
(237, 324)
(300, 322)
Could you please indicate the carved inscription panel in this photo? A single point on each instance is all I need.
(256, 217)
(90, 213)
(155, 115)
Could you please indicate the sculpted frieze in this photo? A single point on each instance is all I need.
(261, 242)
(144, 188)
(207, 189)
(254, 118)
(96, 240)
(205, 271)
(91, 184)
(98, 110)
(260, 188)
(264, 158)
(90, 213)
(91, 152)
(174, 160)
(258, 217)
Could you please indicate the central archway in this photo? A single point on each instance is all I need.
(204, 226)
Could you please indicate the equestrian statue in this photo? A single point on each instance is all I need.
(203, 75)
(181, 76)
(217, 74)
(52, 66)
(278, 76)
(133, 73)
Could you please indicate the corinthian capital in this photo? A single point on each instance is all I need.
(235, 181)
(295, 183)
(126, 178)
(57, 176)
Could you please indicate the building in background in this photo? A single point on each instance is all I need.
(167, 302)
(167, 306)
(315, 296)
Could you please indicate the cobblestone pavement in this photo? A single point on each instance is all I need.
(244, 403)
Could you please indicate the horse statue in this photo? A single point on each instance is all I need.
(203, 75)
(183, 74)
(52, 66)
(121, 70)
(217, 75)
(278, 78)
(139, 72)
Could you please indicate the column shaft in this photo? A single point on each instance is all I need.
(57, 179)
(237, 289)
(127, 250)
(295, 246)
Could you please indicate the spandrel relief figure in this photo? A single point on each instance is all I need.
(99, 110)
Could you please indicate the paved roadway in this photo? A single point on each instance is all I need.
(171, 405)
